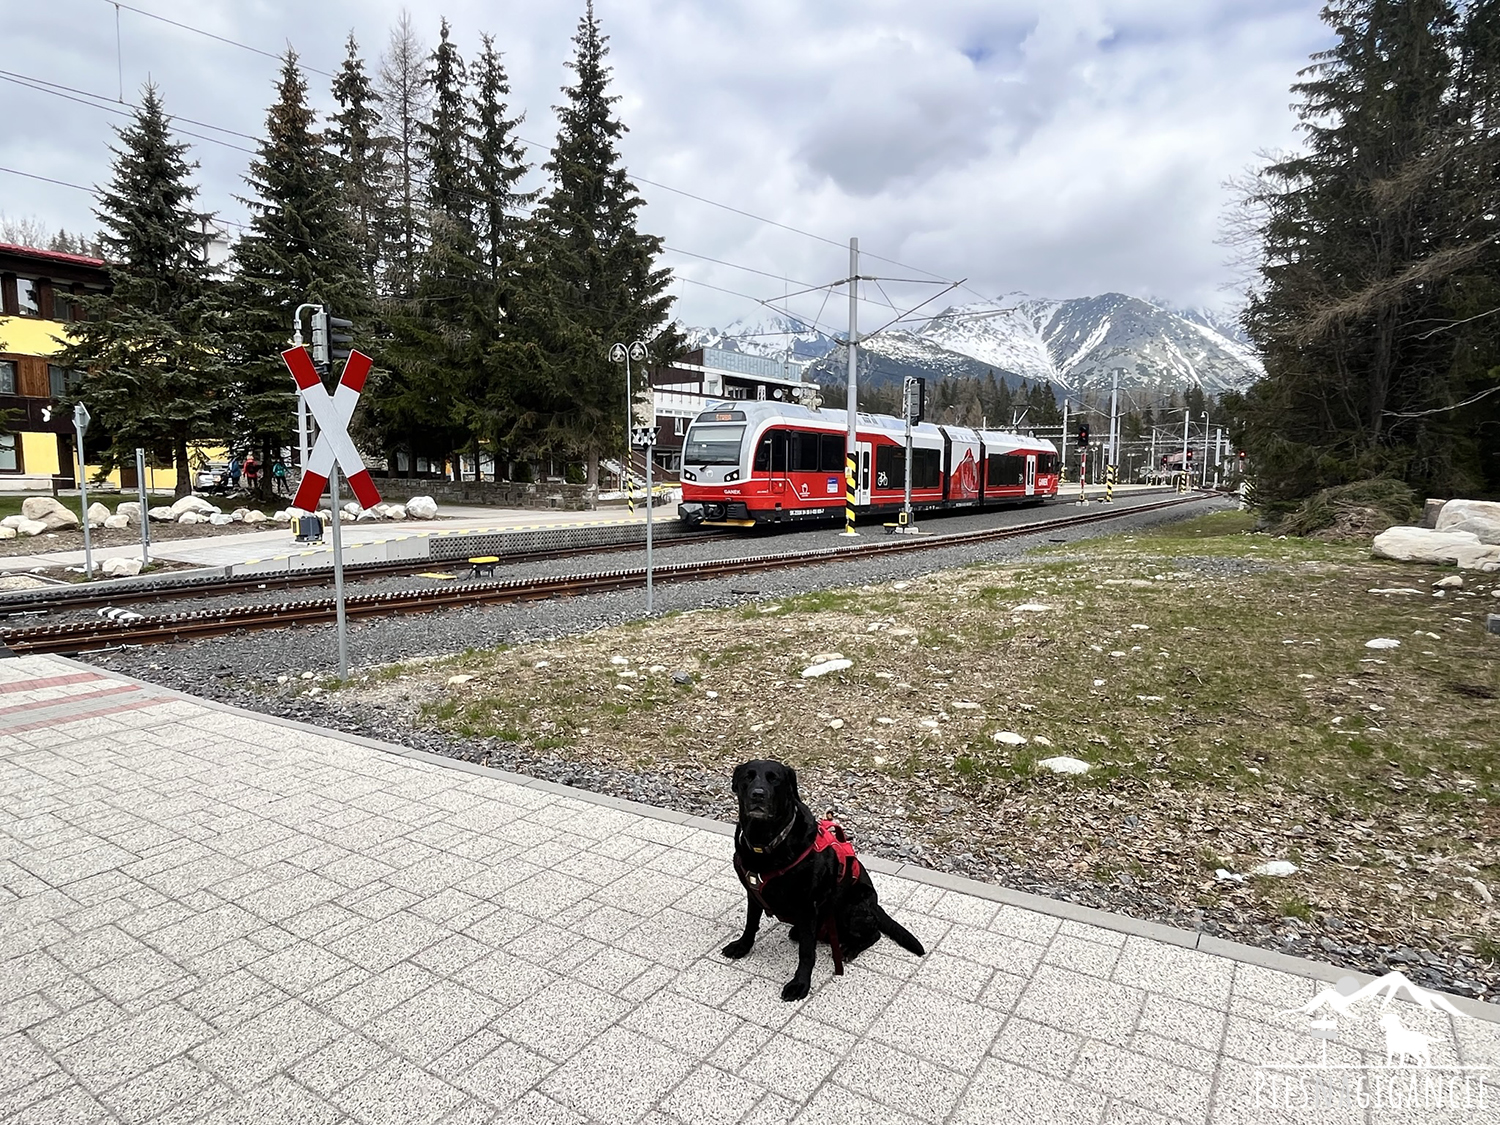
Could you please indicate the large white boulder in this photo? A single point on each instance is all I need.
(117, 521)
(192, 517)
(12, 522)
(421, 508)
(30, 527)
(44, 509)
(7, 533)
(367, 515)
(162, 514)
(1484, 557)
(395, 511)
(124, 567)
(98, 513)
(1417, 544)
(254, 516)
(130, 509)
(194, 504)
(1478, 517)
(219, 519)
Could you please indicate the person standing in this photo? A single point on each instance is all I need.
(252, 472)
(234, 471)
(278, 476)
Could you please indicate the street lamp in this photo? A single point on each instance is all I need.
(623, 353)
(644, 436)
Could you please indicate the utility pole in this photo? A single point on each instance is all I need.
(1114, 418)
(1187, 415)
(1062, 445)
(1206, 432)
(851, 446)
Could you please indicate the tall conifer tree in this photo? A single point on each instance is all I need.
(589, 278)
(299, 248)
(359, 161)
(404, 98)
(150, 350)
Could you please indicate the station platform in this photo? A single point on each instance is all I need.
(209, 915)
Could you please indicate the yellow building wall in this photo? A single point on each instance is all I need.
(39, 454)
(26, 335)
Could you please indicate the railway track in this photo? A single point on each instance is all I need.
(63, 599)
(92, 636)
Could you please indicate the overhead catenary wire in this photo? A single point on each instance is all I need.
(210, 35)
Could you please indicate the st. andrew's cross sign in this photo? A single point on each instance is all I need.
(332, 413)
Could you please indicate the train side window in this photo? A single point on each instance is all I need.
(1005, 470)
(770, 455)
(890, 467)
(763, 455)
(804, 453)
(832, 460)
(926, 468)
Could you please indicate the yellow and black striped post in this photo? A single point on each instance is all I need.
(630, 493)
(1109, 485)
(849, 497)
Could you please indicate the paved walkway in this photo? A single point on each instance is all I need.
(211, 916)
(362, 541)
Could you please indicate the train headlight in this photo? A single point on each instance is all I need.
(731, 476)
(688, 476)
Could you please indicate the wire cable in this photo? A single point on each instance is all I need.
(210, 35)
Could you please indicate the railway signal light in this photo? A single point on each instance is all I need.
(1083, 435)
(914, 394)
(320, 338)
(1190, 454)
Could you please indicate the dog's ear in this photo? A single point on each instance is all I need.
(791, 785)
(737, 779)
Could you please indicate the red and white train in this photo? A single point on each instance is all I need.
(747, 463)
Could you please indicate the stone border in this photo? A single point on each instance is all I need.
(1024, 900)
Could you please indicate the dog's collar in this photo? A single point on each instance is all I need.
(777, 842)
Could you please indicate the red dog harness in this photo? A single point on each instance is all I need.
(830, 835)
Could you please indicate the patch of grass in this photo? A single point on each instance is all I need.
(1296, 908)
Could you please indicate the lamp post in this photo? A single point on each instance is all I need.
(1187, 416)
(624, 353)
(1205, 449)
(645, 436)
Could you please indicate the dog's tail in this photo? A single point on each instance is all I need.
(897, 932)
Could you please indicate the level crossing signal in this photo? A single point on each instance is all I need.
(914, 395)
(1083, 435)
(332, 340)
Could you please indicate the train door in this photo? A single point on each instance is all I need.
(862, 490)
(1031, 474)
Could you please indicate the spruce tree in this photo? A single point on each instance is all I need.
(404, 97)
(589, 277)
(299, 248)
(359, 161)
(150, 350)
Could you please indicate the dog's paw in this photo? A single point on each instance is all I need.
(794, 989)
(737, 949)
(794, 934)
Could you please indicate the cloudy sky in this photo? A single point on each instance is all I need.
(1055, 147)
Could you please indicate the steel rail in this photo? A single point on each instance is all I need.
(64, 599)
(92, 635)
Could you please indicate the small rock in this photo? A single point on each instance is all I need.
(194, 504)
(1452, 582)
(706, 694)
(462, 678)
(619, 660)
(1396, 590)
(253, 516)
(884, 721)
(542, 664)
(161, 515)
(219, 519)
(1275, 869)
(824, 657)
(1098, 683)
(30, 527)
(307, 675)
(1383, 642)
(124, 567)
(1482, 891)
(190, 517)
(836, 724)
(1041, 740)
(1065, 764)
(1227, 876)
(97, 514)
(1032, 607)
(117, 522)
(1009, 738)
(682, 677)
(964, 705)
(813, 671)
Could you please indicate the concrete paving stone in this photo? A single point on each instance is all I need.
(222, 960)
(79, 1023)
(773, 1109)
(504, 978)
(617, 1078)
(560, 1018)
(318, 920)
(544, 894)
(1178, 1020)
(1259, 993)
(595, 867)
(1245, 1096)
(152, 1095)
(1125, 1113)
(688, 1027)
(465, 1053)
(1082, 956)
(279, 1099)
(1037, 1046)
(71, 1107)
(789, 1067)
(1152, 1081)
(955, 906)
(31, 939)
(1003, 1091)
(453, 908)
(1286, 1041)
(709, 1096)
(493, 882)
(608, 969)
(386, 941)
(937, 1027)
(504, 1074)
(1479, 1043)
(197, 874)
(674, 938)
(953, 975)
(902, 1081)
(331, 1068)
(537, 1107)
(433, 1021)
(398, 1094)
(834, 1103)
(22, 1062)
(204, 931)
(230, 1000)
(77, 953)
(712, 902)
(1088, 1006)
(1000, 951)
(281, 900)
(148, 919)
(1071, 927)
(378, 993)
(299, 967)
(759, 1002)
(740, 1047)
(454, 952)
(598, 923)
(377, 900)
(70, 992)
(251, 1052)
(852, 1002)
(1186, 974)
(709, 980)
(136, 974)
(1174, 1052)
(134, 1046)
(14, 1099)
(470, 1113)
(25, 1011)
(549, 853)
(544, 944)
(1028, 925)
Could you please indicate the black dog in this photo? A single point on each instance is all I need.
(805, 873)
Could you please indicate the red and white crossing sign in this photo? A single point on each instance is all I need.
(332, 413)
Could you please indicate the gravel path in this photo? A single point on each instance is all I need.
(243, 670)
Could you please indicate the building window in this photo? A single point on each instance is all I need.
(9, 458)
(62, 307)
(27, 301)
(7, 377)
(60, 380)
(679, 426)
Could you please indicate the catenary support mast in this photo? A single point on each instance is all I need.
(851, 445)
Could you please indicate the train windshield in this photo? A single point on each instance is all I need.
(713, 445)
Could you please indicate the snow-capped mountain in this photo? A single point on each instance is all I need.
(1075, 343)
